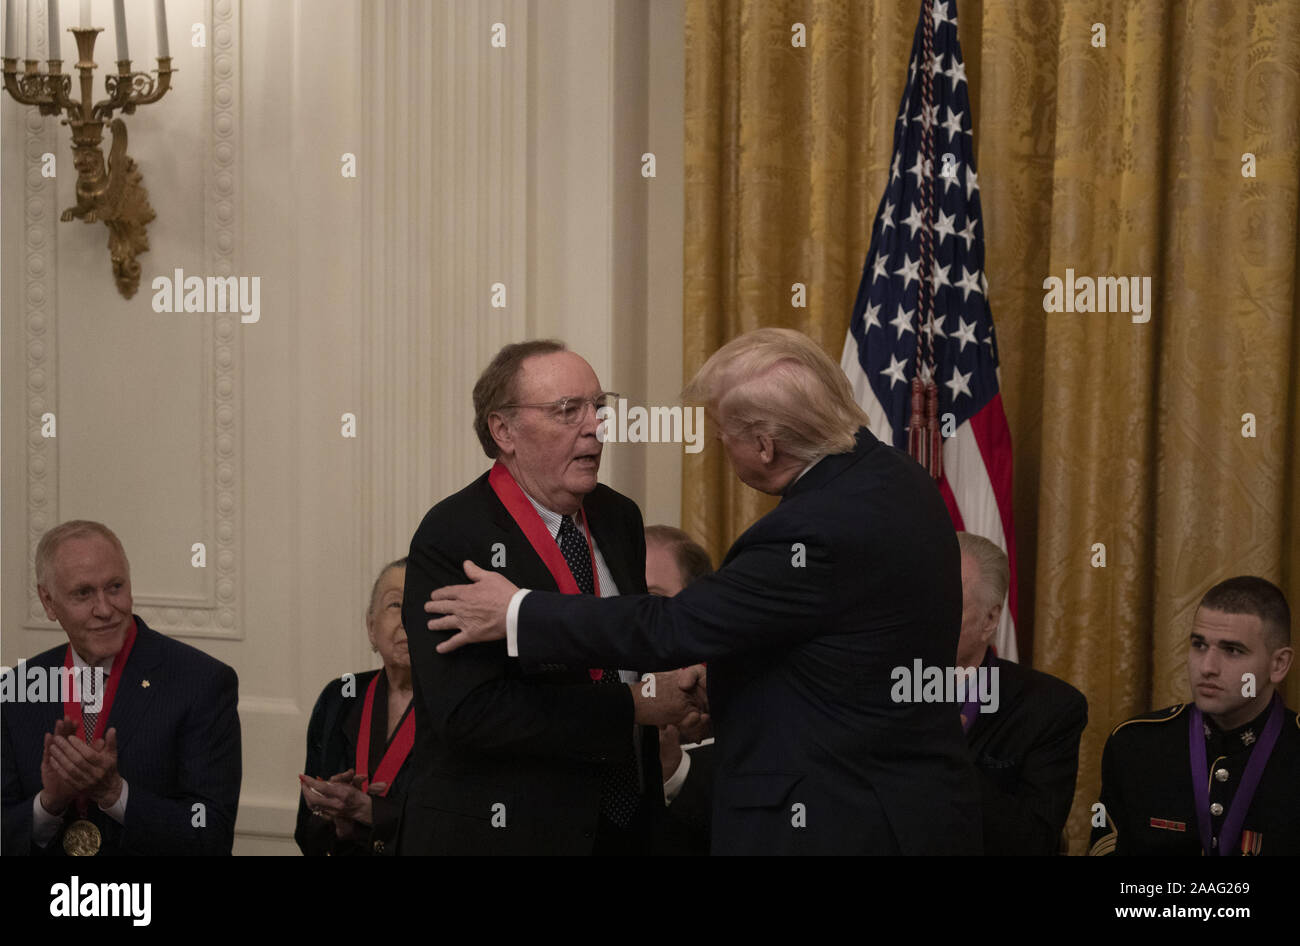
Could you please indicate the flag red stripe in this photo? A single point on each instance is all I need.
(993, 435)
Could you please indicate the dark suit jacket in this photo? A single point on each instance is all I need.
(1027, 755)
(1146, 789)
(177, 745)
(856, 572)
(331, 749)
(488, 734)
(687, 823)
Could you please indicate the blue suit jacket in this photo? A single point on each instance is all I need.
(855, 573)
(177, 745)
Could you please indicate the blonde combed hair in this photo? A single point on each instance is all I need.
(779, 382)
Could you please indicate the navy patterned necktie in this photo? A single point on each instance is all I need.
(88, 719)
(620, 787)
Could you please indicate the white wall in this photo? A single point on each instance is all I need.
(475, 165)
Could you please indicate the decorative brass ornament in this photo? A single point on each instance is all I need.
(112, 191)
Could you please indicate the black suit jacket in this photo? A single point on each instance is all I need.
(1146, 790)
(178, 745)
(856, 572)
(1027, 756)
(331, 749)
(687, 823)
(496, 744)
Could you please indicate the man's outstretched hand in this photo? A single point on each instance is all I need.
(476, 611)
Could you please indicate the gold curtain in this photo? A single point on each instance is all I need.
(1117, 160)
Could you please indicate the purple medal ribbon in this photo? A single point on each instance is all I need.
(969, 713)
(970, 709)
(1232, 824)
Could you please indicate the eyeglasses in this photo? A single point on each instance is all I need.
(571, 410)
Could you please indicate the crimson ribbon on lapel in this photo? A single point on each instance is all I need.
(539, 537)
(396, 752)
(72, 708)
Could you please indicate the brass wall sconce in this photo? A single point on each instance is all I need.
(111, 191)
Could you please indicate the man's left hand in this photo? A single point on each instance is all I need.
(89, 768)
(477, 611)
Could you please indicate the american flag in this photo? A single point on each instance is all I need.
(881, 354)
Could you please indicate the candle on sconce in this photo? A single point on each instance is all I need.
(160, 18)
(119, 22)
(85, 14)
(10, 51)
(31, 29)
(55, 37)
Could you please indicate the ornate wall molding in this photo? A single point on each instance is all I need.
(444, 217)
(40, 309)
(217, 611)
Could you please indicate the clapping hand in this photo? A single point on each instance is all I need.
(77, 766)
(341, 800)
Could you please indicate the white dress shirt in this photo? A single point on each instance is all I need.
(608, 589)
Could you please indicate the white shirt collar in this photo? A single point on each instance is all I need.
(552, 519)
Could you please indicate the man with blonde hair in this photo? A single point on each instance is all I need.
(855, 574)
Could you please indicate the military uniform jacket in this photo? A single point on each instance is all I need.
(1146, 786)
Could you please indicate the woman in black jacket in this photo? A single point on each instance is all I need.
(358, 741)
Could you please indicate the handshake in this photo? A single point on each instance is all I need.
(677, 698)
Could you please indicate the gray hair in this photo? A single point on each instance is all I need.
(995, 570)
(50, 542)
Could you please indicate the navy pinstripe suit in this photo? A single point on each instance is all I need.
(178, 745)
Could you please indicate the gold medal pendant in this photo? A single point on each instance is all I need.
(82, 838)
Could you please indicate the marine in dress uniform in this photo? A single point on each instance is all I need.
(1151, 805)
(1217, 776)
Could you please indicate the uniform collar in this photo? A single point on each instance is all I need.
(1242, 737)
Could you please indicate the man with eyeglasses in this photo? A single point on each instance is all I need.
(564, 760)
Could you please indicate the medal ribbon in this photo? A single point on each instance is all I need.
(539, 537)
(397, 751)
(970, 709)
(1236, 816)
(72, 707)
(535, 531)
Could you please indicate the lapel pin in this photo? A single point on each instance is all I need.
(144, 684)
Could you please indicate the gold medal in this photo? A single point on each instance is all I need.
(82, 838)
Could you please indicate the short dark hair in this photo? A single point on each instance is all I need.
(497, 385)
(691, 558)
(1249, 594)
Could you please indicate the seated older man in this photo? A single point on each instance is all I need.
(1026, 744)
(674, 560)
(150, 763)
